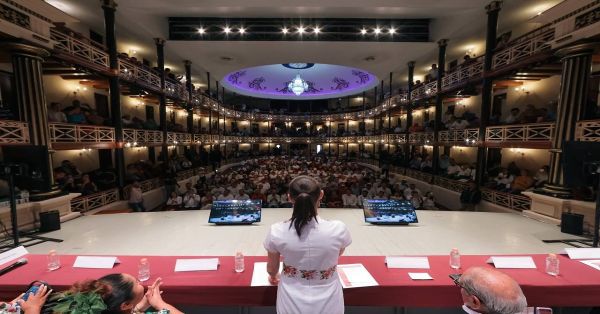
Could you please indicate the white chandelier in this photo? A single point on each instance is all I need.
(298, 85)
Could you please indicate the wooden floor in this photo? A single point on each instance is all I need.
(189, 233)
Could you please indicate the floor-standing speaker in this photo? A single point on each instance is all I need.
(49, 221)
(571, 223)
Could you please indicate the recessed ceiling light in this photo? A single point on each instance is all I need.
(317, 30)
(284, 30)
(301, 29)
(201, 30)
(392, 30)
(377, 30)
(242, 30)
(227, 29)
(363, 31)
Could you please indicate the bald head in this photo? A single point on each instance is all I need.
(489, 291)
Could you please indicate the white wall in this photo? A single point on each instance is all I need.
(530, 159)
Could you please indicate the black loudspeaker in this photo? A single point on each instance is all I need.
(571, 223)
(49, 221)
(35, 158)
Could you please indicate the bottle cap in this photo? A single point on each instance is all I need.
(552, 255)
(143, 260)
(52, 252)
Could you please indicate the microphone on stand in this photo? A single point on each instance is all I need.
(13, 266)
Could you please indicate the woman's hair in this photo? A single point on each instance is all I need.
(305, 192)
(113, 289)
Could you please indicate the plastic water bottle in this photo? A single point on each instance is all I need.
(239, 262)
(25, 196)
(454, 259)
(143, 270)
(53, 260)
(552, 265)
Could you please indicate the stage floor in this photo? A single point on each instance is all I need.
(189, 233)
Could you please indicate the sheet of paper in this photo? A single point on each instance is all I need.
(13, 254)
(355, 275)
(593, 263)
(420, 276)
(260, 277)
(196, 264)
(407, 262)
(95, 262)
(582, 253)
(512, 262)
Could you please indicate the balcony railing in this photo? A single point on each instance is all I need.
(93, 201)
(138, 74)
(588, 131)
(421, 138)
(14, 132)
(175, 90)
(533, 132)
(179, 138)
(419, 175)
(79, 49)
(80, 133)
(397, 138)
(454, 185)
(512, 201)
(460, 137)
(463, 74)
(523, 48)
(140, 137)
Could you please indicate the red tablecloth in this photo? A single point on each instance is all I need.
(578, 284)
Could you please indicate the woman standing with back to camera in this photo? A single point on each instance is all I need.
(310, 246)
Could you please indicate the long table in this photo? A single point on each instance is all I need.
(577, 285)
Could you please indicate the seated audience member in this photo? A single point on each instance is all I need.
(416, 200)
(426, 165)
(504, 181)
(398, 129)
(241, 195)
(397, 195)
(513, 117)
(70, 168)
(416, 128)
(191, 200)
(362, 197)
(55, 115)
(541, 176)
(174, 201)
(273, 199)
(94, 118)
(87, 186)
(136, 198)
(467, 60)
(545, 115)
(429, 201)
(459, 124)
(522, 182)
(470, 197)
(350, 200)
(409, 191)
(225, 196)
(513, 169)
(257, 195)
(75, 115)
(433, 72)
(206, 201)
(65, 181)
(444, 163)
(380, 196)
(188, 188)
(529, 115)
(489, 291)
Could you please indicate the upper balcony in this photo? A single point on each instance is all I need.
(588, 131)
(533, 135)
(424, 138)
(463, 74)
(80, 52)
(529, 48)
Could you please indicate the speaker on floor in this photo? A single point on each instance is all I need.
(571, 223)
(49, 221)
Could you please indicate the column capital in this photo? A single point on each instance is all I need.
(109, 4)
(443, 42)
(16, 48)
(495, 5)
(159, 41)
(411, 64)
(187, 62)
(586, 48)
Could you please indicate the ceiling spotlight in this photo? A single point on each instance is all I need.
(363, 31)
(317, 30)
(227, 30)
(301, 30)
(377, 30)
(242, 30)
(392, 30)
(201, 30)
(284, 30)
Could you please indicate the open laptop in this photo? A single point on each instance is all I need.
(389, 212)
(235, 212)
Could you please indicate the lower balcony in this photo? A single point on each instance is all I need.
(72, 136)
(532, 135)
(588, 131)
(13, 132)
(135, 137)
(88, 202)
(467, 137)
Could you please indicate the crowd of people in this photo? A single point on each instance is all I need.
(531, 114)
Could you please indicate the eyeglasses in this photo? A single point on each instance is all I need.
(456, 279)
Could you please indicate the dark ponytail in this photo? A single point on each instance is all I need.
(305, 192)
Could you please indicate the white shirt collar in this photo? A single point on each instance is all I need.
(468, 310)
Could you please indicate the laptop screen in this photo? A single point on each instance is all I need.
(235, 212)
(389, 212)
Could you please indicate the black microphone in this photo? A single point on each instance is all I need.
(13, 266)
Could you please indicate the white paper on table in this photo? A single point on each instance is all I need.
(420, 276)
(407, 262)
(106, 262)
(196, 264)
(525, 262)
(260, 277)
(13, 254)
(592, 263)
(582, 253)
(355, 275)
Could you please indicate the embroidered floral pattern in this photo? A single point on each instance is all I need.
(289, 271)
(292, 272)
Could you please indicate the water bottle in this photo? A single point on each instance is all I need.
(454, 259)
(25, 196)
(53, 260)
(143, 270)
(239, 262)
(552, 265)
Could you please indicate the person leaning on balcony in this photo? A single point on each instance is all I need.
(136, 198)
(75, 114)
(470, 197)
(513, 116)
(55, 115)
(87, 186)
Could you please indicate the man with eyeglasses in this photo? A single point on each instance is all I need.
(488, 291)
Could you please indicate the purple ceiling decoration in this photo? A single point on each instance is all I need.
(235, 77)
(257, 83)
(340, 83)
(324, 81)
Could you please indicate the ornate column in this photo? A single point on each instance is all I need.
(31, 102)
(442, 44)
(493, 10)
(188, 86)
(110, 7)
(162, 98)
(576, 66)
(411, 73)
